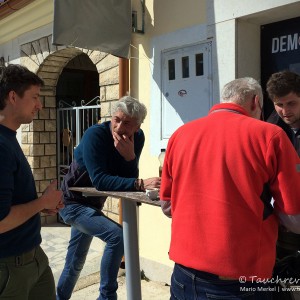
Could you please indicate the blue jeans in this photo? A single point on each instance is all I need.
(86, 223)
(190, 284)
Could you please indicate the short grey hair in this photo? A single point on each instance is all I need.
(241, 90)
(132, 108)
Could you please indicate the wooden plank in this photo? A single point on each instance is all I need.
(8, 7)
(139, 197)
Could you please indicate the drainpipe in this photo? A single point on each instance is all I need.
(123, 76)
(123, 89)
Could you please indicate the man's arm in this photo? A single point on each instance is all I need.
(166, 208)
(291, 222)
(19, 214)
(166, 185)
(107, 171)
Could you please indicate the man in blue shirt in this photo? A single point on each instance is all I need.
(106, 158)
(24, 267)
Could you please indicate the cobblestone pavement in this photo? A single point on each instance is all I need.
(55, 242)
(55, 239)
(150, 291)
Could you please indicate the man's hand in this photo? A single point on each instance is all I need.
(124, 145)
(152, 183)
(53, 212)
(50, 202)
(52, 198)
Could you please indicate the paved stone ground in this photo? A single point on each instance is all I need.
(150, 291)
(55, 239)
(55, 242)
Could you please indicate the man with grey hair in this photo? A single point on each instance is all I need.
(240, 91)
(107, 159)
(218, 177)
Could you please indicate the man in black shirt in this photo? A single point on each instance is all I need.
(284, 90)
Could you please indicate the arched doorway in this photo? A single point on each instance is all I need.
(39, 139)
(78, 107)
(78, 80)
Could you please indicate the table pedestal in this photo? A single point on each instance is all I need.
(131, 249)
(130, 233)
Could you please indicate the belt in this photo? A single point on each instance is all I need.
(200, 274)
(226, 278)
(20, 260)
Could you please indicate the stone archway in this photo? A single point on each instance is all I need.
(39, 138)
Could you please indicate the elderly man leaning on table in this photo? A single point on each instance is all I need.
(107, 159)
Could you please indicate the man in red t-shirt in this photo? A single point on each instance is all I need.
(219, 176)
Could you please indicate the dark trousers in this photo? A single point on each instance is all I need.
(27, 277)
(190, 284)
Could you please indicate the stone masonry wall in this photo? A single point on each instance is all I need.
(39, 137)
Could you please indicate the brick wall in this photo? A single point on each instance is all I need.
(39, 137)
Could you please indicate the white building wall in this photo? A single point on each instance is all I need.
(11, 49)
(220, 10)
(248, 49)
(224, 54)
(187, 36)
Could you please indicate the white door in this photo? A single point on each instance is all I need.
(186, 86)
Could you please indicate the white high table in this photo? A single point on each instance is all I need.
(130, 232)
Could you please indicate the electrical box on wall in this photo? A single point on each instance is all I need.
(186, 86)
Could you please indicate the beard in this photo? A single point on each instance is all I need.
(293, 122)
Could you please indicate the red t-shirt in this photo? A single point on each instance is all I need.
(214, 172)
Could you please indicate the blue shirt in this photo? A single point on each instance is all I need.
(17, 186)
(98, 163)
